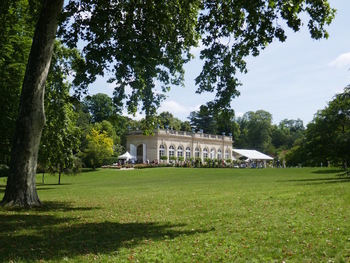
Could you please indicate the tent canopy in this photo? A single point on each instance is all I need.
(250, 154)
(127, 156)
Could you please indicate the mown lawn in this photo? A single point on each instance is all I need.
(183, 215)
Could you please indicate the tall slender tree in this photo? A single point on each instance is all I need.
(61, 137)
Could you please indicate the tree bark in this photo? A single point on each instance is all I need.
(21, 183)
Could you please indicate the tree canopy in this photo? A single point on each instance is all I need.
(328, 135)
(139, 42)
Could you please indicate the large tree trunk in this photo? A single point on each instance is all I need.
(21, 183)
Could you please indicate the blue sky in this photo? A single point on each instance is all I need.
(290, 80)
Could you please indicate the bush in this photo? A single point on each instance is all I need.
(110, 160)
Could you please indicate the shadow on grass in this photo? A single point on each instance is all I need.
(88, 170)
(315, 181)
(38, 237)
(42, 186)
(328, 171)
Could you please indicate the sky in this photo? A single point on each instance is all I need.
(290, 80)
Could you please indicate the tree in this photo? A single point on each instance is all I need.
(214, 121)
(186, 126)
(61, 137)
(17, 27)
(258, 125)
(121, 125)
(109, 129)
(140, 42)
(287, 133)
(167, 119)
(100, 106)
(328, 135)
(225, 119)
(100, 146)
(204, 119)
(21, 186)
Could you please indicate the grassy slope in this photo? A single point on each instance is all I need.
(184, 215)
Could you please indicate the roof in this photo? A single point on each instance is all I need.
(126, 156)
(251, 154)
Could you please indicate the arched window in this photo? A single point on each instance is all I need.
(196, 152)
(180, 151)
(227, 155)
(188, 152)
(171, 151)
(212, 153)
(161, 150)
(219, 155)
(205, 153)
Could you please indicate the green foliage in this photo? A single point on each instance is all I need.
(164, 157)
(255, 130)
(100, 106)
(61, 137)
(99, 147)
(186, 126)
(148, 41)
(328, 135)
(166, 119)
(296, 157)
(234, 30)
(180, 158)
(110, 160)
(109, 129)
(204, 119)
(16, 31)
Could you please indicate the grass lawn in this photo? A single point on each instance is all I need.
(183, 215)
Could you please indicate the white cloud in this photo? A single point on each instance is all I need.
(239, 114)
(138, 116)
(341, 61)
(176, 108)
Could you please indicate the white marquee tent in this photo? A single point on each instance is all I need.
(126, 156)
(251, 155)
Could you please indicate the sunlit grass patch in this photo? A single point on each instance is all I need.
(184, 215)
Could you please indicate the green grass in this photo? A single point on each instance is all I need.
(183, 215)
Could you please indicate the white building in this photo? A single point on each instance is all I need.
(178, 144)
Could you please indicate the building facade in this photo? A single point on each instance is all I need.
(175, 144)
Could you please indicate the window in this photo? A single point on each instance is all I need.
(227, 155)
(171, 151)
(180, 151)
(212, 153)
(205, 153)
(161, 150)
(188, 152)
(219, 155)
(196, 153)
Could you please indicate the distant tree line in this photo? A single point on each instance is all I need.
(89, 133)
